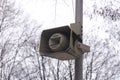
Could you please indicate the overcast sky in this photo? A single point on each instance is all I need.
(48, 13)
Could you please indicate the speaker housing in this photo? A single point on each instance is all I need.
(60, 42)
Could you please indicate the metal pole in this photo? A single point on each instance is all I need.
(79, 61)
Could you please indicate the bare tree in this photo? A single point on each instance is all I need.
(15, 34)
(102, 62)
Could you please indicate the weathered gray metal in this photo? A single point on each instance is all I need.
(60, 43)
(79, 19)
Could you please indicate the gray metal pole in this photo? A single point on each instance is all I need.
(79, 61)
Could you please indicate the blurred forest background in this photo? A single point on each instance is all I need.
(20, 36)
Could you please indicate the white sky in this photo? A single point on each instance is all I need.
(49, 14)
